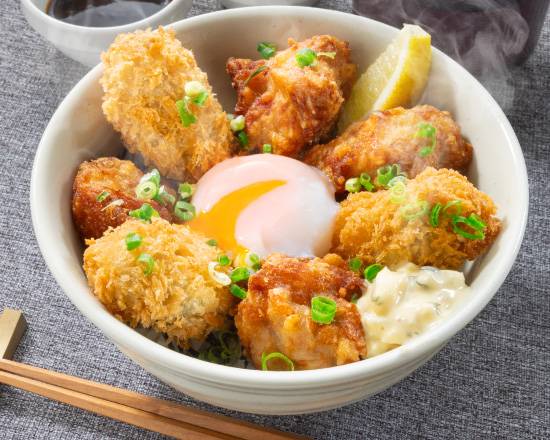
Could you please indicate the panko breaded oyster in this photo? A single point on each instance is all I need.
(104, 194)
(276, 315)
(156, 275)
(436, 219)
(145, 74)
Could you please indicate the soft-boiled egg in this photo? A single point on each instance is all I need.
(265, 203)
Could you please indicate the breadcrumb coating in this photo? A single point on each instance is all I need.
(391, 137)
(276, 314)
(144, 75)
(118, 178)
(372, 227)
(179, 298)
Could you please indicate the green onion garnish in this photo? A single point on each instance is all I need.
(306, 57)
(371, 271)
(427, 131)
(237, 291)
(354, 298)
(102, 196)
(147, 190)
(323, 309)
(224, 260)
(237, 123)
(434, 214)
(133, 241)
(327, 54)
(415, 210)
(164, 197)
(253, 261)
(276, 355)
(267, 50)
(194, 89)
(386, 173)
(364, 180)
(185, 190)
(256, 72)
(398, 191)
(355, 264)
(149, 263)
(353, 185)
(145, 212)
(184, 210)
(151, 176)
(267, 148)
(456, 204)
(473, 222)
(243, 139)
(212, 242)
(239, 274)
(187, 118)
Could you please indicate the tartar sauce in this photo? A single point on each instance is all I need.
(399, 305)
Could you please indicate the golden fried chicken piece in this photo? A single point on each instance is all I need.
(144, 75)
(178, 298)
(378, 227)
(276, 314)
(392, 137)
(288, 106)
(115, 180)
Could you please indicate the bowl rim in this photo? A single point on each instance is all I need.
(245, 379)
(30, 4)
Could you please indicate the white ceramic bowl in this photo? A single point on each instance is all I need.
(78, 131)
(85, 44)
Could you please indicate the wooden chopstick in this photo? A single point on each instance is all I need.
(146, 412)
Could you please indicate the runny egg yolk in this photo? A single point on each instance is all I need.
(221, 220)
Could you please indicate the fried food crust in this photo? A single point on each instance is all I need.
(276, 314)
(288, 106)
(390, 137)
(144, 75)
(371, 226)
(117, 177)
(179, 298)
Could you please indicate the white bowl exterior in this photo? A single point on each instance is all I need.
(85, 44)
(79, 131)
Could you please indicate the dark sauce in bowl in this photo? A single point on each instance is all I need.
(103, 13)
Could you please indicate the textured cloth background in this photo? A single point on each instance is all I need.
(491, 381)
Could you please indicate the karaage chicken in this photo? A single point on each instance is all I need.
(412, 138)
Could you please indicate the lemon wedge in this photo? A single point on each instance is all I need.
(396, 78)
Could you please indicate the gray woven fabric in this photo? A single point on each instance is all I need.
(491, 381)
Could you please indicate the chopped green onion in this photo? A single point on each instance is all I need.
(224, 260)
(151, 176)
(237, 291)
(400, 178)
(371, 271)
(164, 197)
(434, 214)
(145, 212)
(102, 196)
(327, 54)
(256, 72)
(212, 242)
(237, 124)
(384, 175)
(185, 190)
(149, 263)
(323, 309)
(193, 88)
(353, 185)
(415, 210)
(276, 355)
(184, 210)
(218, 276)
(116, 202)
(475, 223)
(364, 180)
(133, 241)
(253, 261)
(267, 148)
(187, 118)
(398, 191)
(200, 99)
(427, 131)
(355, 264)
(354, 298)
(267, 50)
(243, 139)
(239, 274)
(306, 57)
(147, 190)
(230, 116)
(457, 204)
